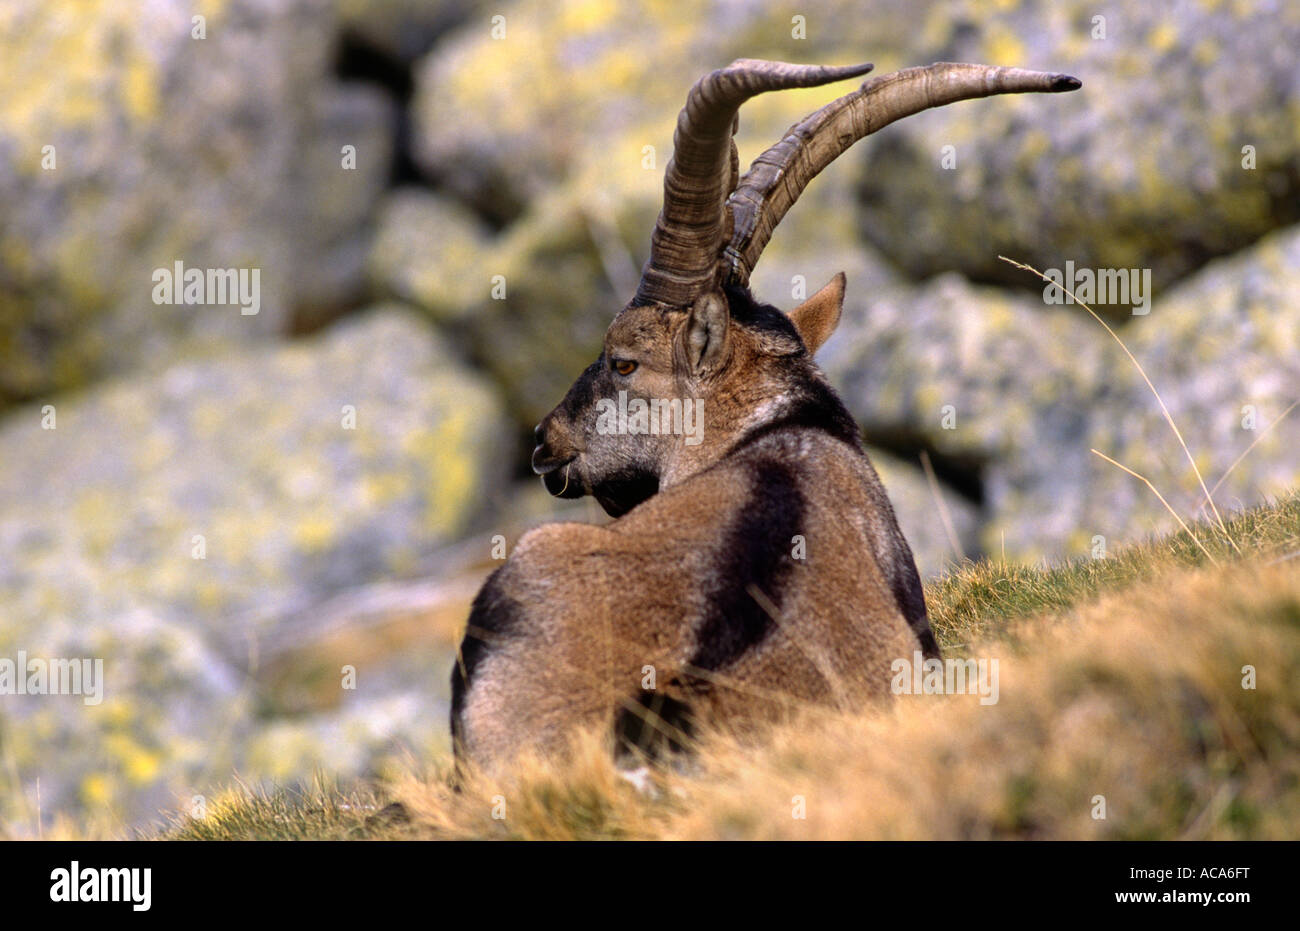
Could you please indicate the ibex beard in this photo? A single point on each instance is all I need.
(758, 571)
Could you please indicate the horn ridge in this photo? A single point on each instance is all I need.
(779, 175)
(694, 225)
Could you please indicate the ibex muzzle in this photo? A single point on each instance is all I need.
(754, 565)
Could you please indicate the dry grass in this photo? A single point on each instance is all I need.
(990, 598)
(1119, 678)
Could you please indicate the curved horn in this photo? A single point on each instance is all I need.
(692, 227)
(778, 176)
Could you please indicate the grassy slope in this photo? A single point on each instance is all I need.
(1119, 677)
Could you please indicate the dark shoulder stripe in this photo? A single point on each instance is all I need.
(756, 551)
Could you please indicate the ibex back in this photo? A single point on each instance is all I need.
(754, 564)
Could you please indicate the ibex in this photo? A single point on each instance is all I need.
(756, 566)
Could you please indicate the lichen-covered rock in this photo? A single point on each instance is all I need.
(1017, 395)
(128, 144)
(432, 252)
(168, 524)
(976, 373)
(530, 305)
(507, 107)
(814, 242)
(999, 386)
(1221, 348)
(1142, 168)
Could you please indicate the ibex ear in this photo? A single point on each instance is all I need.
(817, 317)
(706, 333)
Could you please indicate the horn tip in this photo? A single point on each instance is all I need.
(1065, 82)
(857, 71)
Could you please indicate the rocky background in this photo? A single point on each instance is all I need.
(229, 509)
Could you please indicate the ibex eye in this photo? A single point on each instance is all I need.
(624, 366)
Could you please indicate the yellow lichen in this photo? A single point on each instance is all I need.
(314, 533)
(96, 790)
(1003, 47)
(1163, 38)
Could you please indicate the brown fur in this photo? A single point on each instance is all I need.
(699, 580)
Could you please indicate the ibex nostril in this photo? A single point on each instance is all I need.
(539, 434)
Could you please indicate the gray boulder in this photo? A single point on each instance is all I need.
(219, 152)
(1142, 168)
(1221, 350)
(1015, 395)
(173, 524)
(997, 386)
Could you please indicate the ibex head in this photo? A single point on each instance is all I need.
(693, 363)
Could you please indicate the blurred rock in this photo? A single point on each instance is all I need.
(1221, 348)
(814, 242)
(171, 524)
(1015, 395)
(925, 514)
(999, 387)
(220, 152)
(403, 29)
(552, 304)
(504, 118)
(431, 251)
(1142, 168)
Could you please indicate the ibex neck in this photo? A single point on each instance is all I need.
(814, 407)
